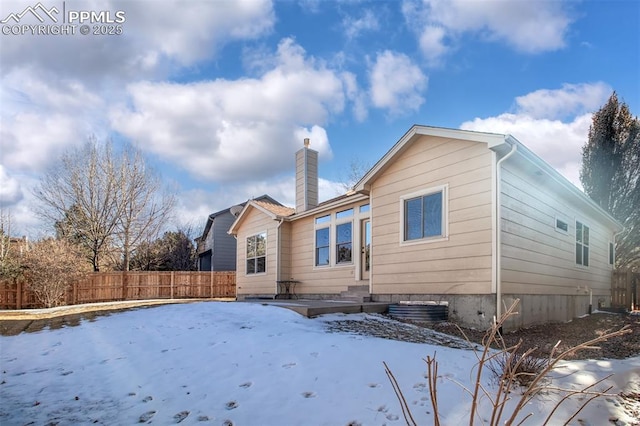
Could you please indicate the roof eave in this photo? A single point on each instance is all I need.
(492, 140)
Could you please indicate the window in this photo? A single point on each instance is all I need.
(344, 214)
(424, 216)
(612, 253)
(323, 219)
(582, 244)
(343, 242)
(562, 226)
(322, 246)
(257, 253)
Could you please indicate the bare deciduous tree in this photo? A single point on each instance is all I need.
(143, 205)
(100, 200)
(357, 169)
(11, 250)
(51, 266)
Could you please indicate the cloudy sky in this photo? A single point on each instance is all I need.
(220, 94)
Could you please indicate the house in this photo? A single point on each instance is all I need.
(216, 249)
(468, 218)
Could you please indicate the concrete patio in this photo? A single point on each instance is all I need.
(312, 308)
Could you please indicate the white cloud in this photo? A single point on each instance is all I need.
(552, 123)
(528, 27)
(235, 130)
(397, 84)
(10, 190)
(156, 38)
(572, 99)
(432, 42)
(354, 27)
(40, 119)
(355, 95)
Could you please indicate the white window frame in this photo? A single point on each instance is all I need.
(325, 224)
(247, 258)
(332, 223)
(563, 220)
(582, 244)
(612, 253)
(444, 189)
(338, 222)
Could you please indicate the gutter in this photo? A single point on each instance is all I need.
(498, 236)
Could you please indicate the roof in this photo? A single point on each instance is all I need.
(500, 143)
(212, 216)
(276, 209)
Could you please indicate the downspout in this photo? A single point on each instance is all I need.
(278, 250)
(498, 259)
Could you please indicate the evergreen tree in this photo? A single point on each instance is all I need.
(610, 174)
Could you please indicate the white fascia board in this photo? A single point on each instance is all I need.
(562, 181)
(491, 139)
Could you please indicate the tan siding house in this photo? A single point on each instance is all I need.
(472, 219)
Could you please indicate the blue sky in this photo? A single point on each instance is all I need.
(219, 95)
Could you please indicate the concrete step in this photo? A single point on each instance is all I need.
(356, 293)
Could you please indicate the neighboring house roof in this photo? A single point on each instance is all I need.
(212, 216)
(500, 143)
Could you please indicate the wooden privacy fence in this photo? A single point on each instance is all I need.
(113, 286)
(625, 290)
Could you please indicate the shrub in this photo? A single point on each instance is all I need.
(51, 266)
(520, 369)
(512, 369)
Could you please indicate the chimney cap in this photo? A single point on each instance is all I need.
(306, 142)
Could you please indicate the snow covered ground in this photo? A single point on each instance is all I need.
(249, 364)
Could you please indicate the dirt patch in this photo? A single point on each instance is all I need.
(570, 334)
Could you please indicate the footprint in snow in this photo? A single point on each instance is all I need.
(227, 423)
(308, 394)
(180, 416)
(374, 385)
(383, 409)
(147, 398)
(231, 405)
(246, 385)
(314, 354)
(146, 416)
(392, 417)
(291, 364)
(66, 373)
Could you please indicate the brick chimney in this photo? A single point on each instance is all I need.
(306, 178)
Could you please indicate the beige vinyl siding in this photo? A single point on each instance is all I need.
(538, 259)
(332, 279)
(284, 255)
(460, 264)
(256, 222)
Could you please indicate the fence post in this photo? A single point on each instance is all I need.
(125, 282)
(172, 282)
(18, 294)
(211, 285)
